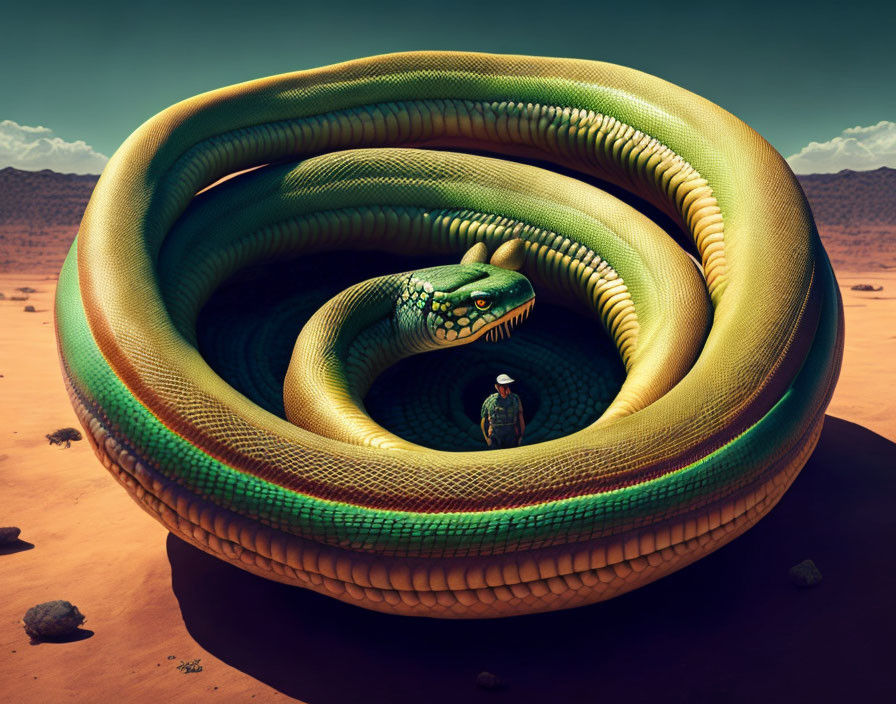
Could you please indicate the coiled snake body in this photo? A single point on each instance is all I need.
(727, 374)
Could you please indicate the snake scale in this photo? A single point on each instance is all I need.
(729, 363)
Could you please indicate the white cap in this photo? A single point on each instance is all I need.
(504, 379)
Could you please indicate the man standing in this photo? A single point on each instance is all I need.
(502, 416)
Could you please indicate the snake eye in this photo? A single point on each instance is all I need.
(482, 301)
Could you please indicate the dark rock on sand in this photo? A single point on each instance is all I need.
(30, 309)
(866, 287)
(9, 534)
(64, 435)
(805, 574)
(53, 619)
(486, 680)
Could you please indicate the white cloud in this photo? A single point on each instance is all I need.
(36, 148)
(856, 148)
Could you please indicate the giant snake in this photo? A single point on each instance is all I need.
(730, 358)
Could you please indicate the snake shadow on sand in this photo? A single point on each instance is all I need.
(729, 628)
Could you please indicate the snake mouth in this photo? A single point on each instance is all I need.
(500, 328)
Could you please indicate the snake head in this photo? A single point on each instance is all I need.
(462, 302)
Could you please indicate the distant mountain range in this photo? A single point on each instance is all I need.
(851, 197)
(43, 197)
(40, 212)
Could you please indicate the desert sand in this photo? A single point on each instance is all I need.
(730, 628)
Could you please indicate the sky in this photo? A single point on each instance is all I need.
(77, 78)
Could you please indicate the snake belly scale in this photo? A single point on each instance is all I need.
(728, 372)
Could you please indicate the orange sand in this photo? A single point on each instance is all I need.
(92, 546)
(147, 596)
(866, 391)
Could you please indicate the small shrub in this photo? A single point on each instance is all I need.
(191, 666)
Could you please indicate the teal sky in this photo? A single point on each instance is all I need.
(94, 71)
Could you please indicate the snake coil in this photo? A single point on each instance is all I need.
(727, 374)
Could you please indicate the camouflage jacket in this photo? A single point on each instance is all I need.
(502, 412)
